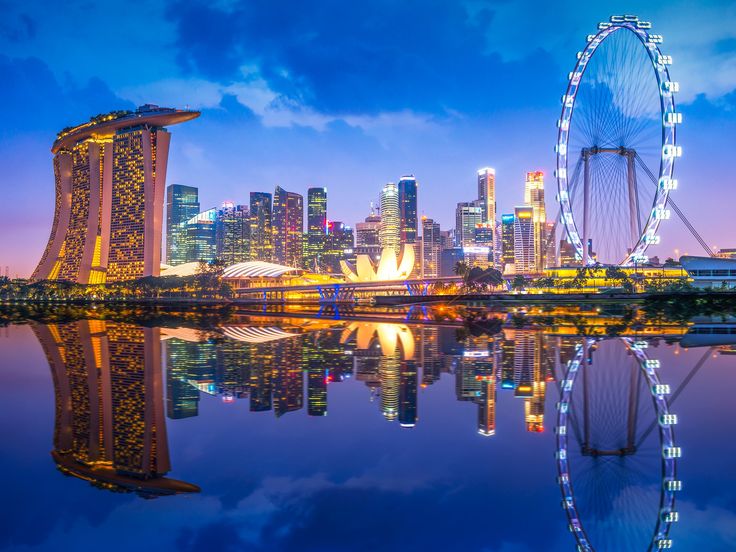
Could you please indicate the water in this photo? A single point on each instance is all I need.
(243, 432)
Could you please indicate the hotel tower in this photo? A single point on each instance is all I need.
(110, 175)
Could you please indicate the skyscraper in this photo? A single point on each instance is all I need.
(110, 176)
(340, 245)
(390, 234)
(288, 227)
(431, 247)
(524, 242)
(534, 197)
(367, 236)
(261, 235)
(487, 193)
(201, 236)
(182, 203)
(467, 216)
(232, 229)
(316, 226)
(507, 239)
(408, 209)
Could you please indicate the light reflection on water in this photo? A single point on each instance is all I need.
(304, 432)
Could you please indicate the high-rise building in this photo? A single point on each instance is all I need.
(367, 236)
(431, 248)
(261, 235)
(467, 216)
(524, 241)
(201, 236)
(568, 254)
(182, 203)
(390, 234)
(487, 193)
(316, 227)
(340, 245)
(408, 209)
(534, 198)
(408, 393)
(288, 227)
(110, 176)
(232, 229)
(507, 239)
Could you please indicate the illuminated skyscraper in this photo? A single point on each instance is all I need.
(340, 245)
(110, 177)
(261, 234)
(389, 367)
(467, 216)
(507, 239)
(408, 209)
(232, 229)
(390, 234)
(182, 203)
(367, 236)
(201, 236)
(288, 227)
(431, 247)
(524, 242)
(487, 193)
(534, 198)
(316, 226)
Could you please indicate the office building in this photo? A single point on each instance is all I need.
(182, 203)
(507, 239)
(110, 175)
(408, 209)
(261, 234)
(288, 227)
(487, 193)
(201, 236)
(524, 241)
(316, 228)
(367, 236)
(390, 234)
(467, 216)
(340, 246)
(232, 229)
(534, 198)
(431, 248)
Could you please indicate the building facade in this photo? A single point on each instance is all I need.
(367, 236)
(507, 239)
(467, 216)
(431, 248)
(524, 242)
(110, 176)
(316, 227)
(261, 233)
(390, 234)
(340, 246)
(408, 220)
(182, 203)
(288, 227)
(232, 234)
(534, 198)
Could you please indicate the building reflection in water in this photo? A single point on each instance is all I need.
(110, 427)
(281, 369)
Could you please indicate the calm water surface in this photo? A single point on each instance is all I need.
(305, 433)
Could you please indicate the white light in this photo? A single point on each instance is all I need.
(561, 149)
(590, 38)
(655, 39)
(668, 419)
(672, 118)
(671, 452)
(631, 18)
(667, 183)
(670, 517)
(660, 213)
(661, 389)
(603, 25)
(561, 173)
(664, 60)
(671, 86)
(652, 363)
(563, 195)
(652, 240)
(564, 124)
(617, 19)
(643, 25)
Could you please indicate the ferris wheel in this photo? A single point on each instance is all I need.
(616, 144)
(617, 476)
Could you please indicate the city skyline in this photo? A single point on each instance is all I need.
(332, 139)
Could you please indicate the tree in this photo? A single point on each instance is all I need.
(519, 282)
(461, 268)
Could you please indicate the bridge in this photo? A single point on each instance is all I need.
(342, 292)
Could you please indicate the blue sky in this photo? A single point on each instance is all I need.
(347, 96)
